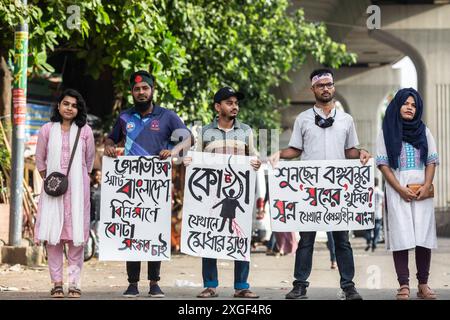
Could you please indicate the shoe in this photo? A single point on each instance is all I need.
(74, 292)
(403, 293)
(155, 291)
(373, 248)
(333, 265)
(367, 248)
(425, 292)
(351, 294)
(298, 292)
(132, 291)
(245, 293)
(208, 293)
(57, 292)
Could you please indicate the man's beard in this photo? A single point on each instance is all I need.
(142, 106)
(324, 100)
(229, 116)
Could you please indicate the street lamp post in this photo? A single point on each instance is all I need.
(18, 135)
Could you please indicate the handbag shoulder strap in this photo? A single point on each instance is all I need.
(74, 149)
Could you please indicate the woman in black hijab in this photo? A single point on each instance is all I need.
(407, 158)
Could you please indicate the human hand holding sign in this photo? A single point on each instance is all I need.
(187, 161)
(256, 164)
(364, 156)
(274, 159)
(164, 154)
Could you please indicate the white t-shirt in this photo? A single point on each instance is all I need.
(323, 143)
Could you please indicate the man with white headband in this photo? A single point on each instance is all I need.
(323, 133)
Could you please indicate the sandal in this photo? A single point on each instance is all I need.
(425, 292)
(245, 293)
(74, 292)
(208, 293)
(57, 292)
(403, 293)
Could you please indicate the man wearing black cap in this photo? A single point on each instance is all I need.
(226, 135)
(148, 130)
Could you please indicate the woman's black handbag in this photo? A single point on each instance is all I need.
(56, 183)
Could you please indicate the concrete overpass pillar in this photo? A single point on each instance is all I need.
(364, 94)
(423, 33)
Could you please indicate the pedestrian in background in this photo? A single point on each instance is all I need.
(96, 191)
(373, 235)
(332, 249)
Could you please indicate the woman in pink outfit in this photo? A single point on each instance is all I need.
(65, 219)
(286, 242)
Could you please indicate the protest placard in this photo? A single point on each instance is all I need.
(325, 195)
(135, 209)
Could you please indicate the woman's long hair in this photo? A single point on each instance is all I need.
(81, 118)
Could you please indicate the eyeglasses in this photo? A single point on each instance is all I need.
(322, 86)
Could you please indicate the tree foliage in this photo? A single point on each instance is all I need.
(192, 47)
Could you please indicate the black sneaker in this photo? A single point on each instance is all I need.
(132, 291)
(155, 291)
(298, 292)
(351, 294)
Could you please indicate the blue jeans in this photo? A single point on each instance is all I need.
(330, 245)
(210, 278)
(272, 244)
(344, 257)
(376, 233)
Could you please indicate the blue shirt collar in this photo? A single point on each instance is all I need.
(156, 111)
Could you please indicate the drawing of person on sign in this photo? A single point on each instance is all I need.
(229, 206)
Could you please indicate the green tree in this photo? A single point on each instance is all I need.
(193, 47)
(120, 35)
(248, 44)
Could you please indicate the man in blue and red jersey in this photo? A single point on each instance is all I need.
(147, 130)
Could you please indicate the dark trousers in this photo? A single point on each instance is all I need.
(423, 261)
(210, 277)
(344, 258)
(134, 271)
(272, 243)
